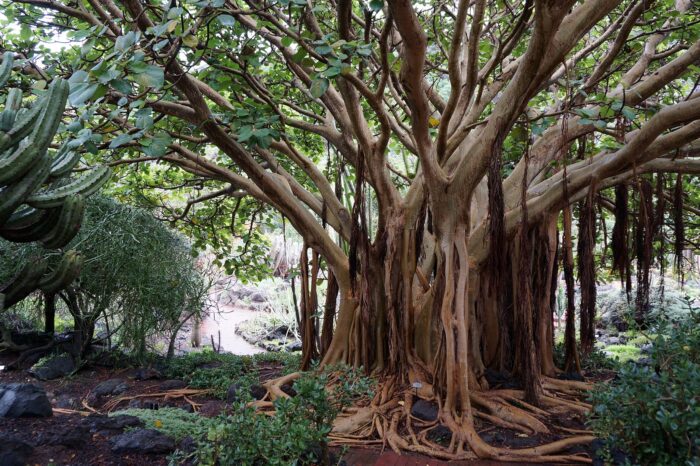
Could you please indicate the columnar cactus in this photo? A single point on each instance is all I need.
(38, 200)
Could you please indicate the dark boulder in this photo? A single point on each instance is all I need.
(147, 373)
(440, 434)
(54, 368)
(258, 297)
(73, 437)
(424, 410)
(172, 385)
(110, 424)
(570, 376)
(293, 346)
(604, 454)
(110, 387)
(148, 441)
(14, 452)
(501, 379)
(258, 392)
(23, 400)
(289, 390)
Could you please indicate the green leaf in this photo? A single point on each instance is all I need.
(151, 76)
(226, 20)
(376, 5)
(287, 41)
(190, 41)
(324, 49)
(319, 87)
(629, 113)
(120, 140)
(81, 92)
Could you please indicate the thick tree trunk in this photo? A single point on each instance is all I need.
(397, 321)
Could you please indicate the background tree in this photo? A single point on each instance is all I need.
(139, 281)
(465, 129)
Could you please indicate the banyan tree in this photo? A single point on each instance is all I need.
(442, 161)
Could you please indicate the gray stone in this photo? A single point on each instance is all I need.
(172, 385)
(110, 387)
(147, 373)
(73, 437)
(293, 346)
(111, 424)
(424, 410)
(135, 403)
(54, 368)
(149, 441)
(258, 392)
(24, 400)
(65, 401)
(14, 452)
(613, 341)
(258, 298)
(645, 361)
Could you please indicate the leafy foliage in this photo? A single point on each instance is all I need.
(295, 434)
(139, 276)
(653, 413)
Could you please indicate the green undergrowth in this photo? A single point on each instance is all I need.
(297, 433)
(218, 371)
(652, 411)
(597, 360)
(173, 422)
(623, 353)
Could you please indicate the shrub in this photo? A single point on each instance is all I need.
(295, 434)
(653, 412)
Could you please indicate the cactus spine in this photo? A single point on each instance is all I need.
(37, 201)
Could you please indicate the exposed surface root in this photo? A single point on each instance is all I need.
(184, 393)
(388, 421)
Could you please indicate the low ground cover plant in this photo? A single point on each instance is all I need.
(218, 371)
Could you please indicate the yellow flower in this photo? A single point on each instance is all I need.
(158, 423)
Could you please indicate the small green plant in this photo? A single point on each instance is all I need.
(653, 412)
(174, 422)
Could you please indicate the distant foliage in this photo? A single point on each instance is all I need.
(653, 412)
